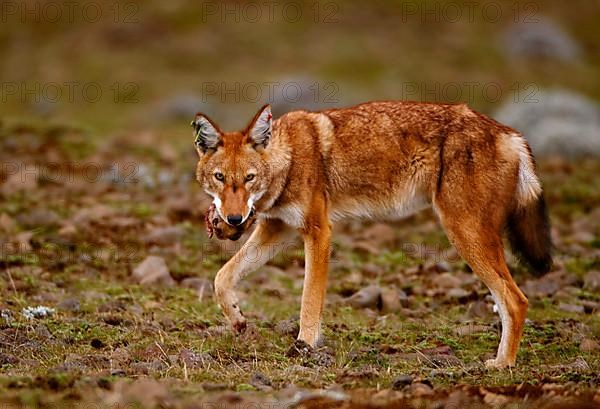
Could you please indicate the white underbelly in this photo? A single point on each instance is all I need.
(389, 209)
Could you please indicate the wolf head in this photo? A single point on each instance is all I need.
(233, 166)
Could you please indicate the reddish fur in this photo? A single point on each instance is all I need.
(381, 159)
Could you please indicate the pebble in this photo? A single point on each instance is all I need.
(401, 381)
(591, 281)
(153, 270)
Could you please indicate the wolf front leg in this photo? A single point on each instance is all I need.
(268, 239)
(317, 239)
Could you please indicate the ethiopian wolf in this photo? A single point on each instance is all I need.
(387, 159)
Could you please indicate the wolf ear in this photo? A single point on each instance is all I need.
(207, 134)
(261, 127)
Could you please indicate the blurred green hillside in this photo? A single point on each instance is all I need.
(107, 66)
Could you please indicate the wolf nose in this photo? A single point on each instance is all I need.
(234, 219)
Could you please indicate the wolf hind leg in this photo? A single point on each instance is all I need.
(479, 242)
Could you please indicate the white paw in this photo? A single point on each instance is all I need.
(497, 363)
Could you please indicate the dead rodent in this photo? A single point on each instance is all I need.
(217, 226)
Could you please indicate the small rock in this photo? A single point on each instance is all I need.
(195, 360)
(18, 183)
(164, 235)
(153, 270)
(368, 297)
(37, 218)
(540, 288)
(589, 345)
(147, 368)
(579, 309)
(72, 363)
(261, 382)
(447, 280)
(591, 281)
(203, 286)
(365, 247)
(67, 230)
(23, 241)
(95, 214)
(443, 266)
(289, 327)
(121, 356)
(457, 293)
(559, 123)
(112, 306)
(8, 359)
(590, 306)
(7, 224)
(322, 357)
(168, 324)
(440, 356)
(43, 332)
(479, 309)
(392, 300)
(401, 381)
(540, 38)
(69, 304)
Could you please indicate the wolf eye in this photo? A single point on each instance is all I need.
(219, 176)
(249, 177)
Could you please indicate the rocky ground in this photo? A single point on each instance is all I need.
(107, 296)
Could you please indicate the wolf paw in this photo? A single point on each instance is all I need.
(299, 348)
(497, 363)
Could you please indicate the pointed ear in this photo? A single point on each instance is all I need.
(207, 134)
(260, 128)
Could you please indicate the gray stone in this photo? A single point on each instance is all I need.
(401, 381)
(153, 270)
(540, 37)
(368, 297)
(555, 122)
(591, 282)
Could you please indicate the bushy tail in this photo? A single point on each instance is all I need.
(527, 225)
(528, 229)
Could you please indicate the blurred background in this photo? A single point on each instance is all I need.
(97, 194)
(114, 66)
